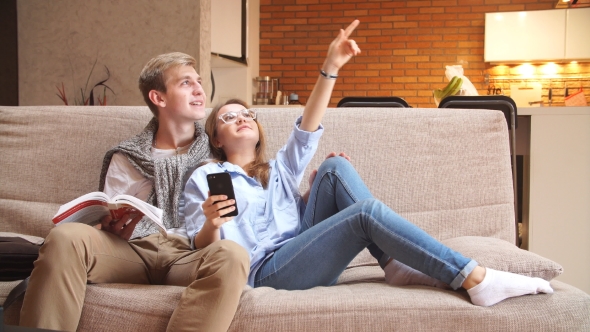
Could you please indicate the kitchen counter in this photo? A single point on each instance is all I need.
(554, 110)
(276, 106)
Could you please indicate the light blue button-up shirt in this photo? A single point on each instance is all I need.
(267, 218)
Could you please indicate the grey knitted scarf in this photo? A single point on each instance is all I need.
(167, 174)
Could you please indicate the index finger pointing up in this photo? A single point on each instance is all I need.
(351, 28)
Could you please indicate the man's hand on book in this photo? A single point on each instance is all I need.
(123, 227)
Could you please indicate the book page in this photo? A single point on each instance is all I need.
(93, 196)
(150, 211)
(90, 215)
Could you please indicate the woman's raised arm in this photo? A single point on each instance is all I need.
(340, 51)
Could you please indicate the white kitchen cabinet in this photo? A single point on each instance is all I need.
(525, 36)
(577, 41)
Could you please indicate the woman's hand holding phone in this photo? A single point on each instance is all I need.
(216, 206)
(219, 208)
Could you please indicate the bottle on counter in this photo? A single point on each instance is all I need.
(294, 99)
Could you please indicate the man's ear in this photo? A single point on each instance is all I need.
(157, 98)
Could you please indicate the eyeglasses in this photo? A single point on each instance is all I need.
(231, 117)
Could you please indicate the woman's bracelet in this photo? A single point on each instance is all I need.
(328, 76)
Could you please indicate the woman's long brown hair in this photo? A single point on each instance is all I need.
(259, 168)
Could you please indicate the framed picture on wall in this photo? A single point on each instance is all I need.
(229, 25)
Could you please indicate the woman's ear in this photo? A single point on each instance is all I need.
(157, 98)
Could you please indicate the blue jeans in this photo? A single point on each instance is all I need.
(341, 219)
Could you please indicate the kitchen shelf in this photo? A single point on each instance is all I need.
(519, 78)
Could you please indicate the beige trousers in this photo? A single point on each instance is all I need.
(76, 254)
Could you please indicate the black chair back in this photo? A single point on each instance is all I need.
(496, 102)
(373, 102)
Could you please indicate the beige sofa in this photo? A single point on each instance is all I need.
(448, 171)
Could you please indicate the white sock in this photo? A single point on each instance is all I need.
(498, 285)
(399, 274)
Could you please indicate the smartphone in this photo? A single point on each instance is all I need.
(220, 184)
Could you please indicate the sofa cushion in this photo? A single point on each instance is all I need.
(439, 168)
(428, 174)
(373, 306)
(40, 174)
(363, 306)
(501, 255)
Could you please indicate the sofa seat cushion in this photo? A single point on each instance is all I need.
(372, 273)
(361, 306)
(5, 288)
(371, 306)
(501, 255)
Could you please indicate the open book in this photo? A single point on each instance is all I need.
(91, 208)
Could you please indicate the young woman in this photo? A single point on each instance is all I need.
(297, 246)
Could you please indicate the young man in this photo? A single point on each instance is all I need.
(150, 166)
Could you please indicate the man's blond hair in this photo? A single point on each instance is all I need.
(152, 74)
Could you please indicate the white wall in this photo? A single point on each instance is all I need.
(59, 40)
(559, 217)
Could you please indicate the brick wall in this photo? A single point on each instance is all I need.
(405, 44)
